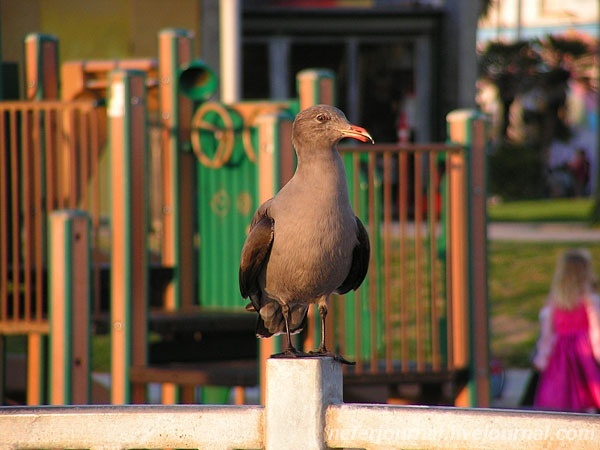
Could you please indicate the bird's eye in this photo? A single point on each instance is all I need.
(323, 117)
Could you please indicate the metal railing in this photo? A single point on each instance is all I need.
(49, 159)
(401, 314)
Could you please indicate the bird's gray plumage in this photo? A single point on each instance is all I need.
(306, 242)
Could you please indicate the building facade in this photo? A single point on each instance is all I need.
(390, 57)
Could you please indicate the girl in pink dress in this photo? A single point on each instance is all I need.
(568, 351)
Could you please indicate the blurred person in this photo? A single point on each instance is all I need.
(579, 167)
(559, 179)
(568, 351)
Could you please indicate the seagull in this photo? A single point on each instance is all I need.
(306, 243)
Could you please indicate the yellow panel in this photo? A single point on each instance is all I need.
(97, 29)
(152, 16)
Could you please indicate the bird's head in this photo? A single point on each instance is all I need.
(327, 125)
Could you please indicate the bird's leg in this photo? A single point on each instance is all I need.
(290, 351)
(322, 350)
(323, 314)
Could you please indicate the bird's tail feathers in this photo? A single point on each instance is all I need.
(271, 322)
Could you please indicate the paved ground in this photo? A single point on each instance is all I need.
(566, 232)
(513, 391)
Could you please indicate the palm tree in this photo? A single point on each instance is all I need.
(545, 66)
(510, 67)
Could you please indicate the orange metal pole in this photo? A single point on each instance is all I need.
(70, 260)
(403, 183)
(41, 83)
(387, 259)
(315, 86)
(457, 242)
(467, 128)
(275, 167)
(478, 262)
(35, 368)
(129, 290)
(175, 50)
(433, 270)
(41, 67)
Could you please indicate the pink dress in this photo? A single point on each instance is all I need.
(568, 357)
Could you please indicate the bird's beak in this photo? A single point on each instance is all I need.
(358, 133)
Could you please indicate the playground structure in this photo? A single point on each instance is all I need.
(127, 201)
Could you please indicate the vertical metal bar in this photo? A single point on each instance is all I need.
(79, 364)
(41, 70)
(433, 273)
(358, 293)
(72, 159)
(4, 218)
(69, 271)
(35, 368)
(61, 298)
(50, 158)
(315, 86)
(129, 291)
(175, 50)
(459, 268)
(15, 170)
(2, 365)
(33, 247)
(387, 258)
(418, 187)
(60, 177)
(26, 186)
(274, 169)
(373, 222)
(39, 214)
(84, 151)
(477, 258)
(403, 183)
(449, 207)
(93, 123)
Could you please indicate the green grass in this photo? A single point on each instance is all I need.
(551, 210)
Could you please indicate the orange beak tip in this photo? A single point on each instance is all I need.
(359, 133)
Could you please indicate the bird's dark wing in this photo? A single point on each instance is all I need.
(360, 261)
(255, 252)
(262, 212)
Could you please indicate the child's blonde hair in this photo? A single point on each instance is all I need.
(573, 279)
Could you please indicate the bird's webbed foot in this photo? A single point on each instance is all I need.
(322, 352)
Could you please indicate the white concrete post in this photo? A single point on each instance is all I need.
(298, 392)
